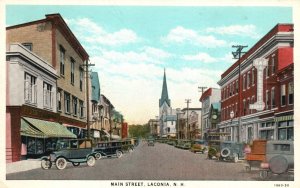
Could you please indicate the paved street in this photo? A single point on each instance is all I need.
(161, 162)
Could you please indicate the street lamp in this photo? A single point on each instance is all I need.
(231, 117)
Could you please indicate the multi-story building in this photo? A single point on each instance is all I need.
(117, 119)
(106, 117)
(154, 127)
(209, 97)
(95, 122)
(31, 115)
(53, 41)
(189, 120)
(257, 91)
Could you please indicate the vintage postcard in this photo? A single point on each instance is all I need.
(149, 93)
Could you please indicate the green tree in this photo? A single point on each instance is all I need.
(139, 131)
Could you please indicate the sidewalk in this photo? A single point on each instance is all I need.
(23, 165)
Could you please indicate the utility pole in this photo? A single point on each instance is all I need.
(187, 101)
(237, 55)
(87, 65)
(202, 90)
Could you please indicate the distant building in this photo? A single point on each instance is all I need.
(167, 116)
(209, 97)
(106, 117)
(189, 123)
(154, 127)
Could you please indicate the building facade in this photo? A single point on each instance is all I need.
(106, 117)
(154, 127)
(52, 40)
(257, 91)
(189, 123)
(30, 105)
(209, 97)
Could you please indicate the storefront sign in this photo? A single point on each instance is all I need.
(260, 64)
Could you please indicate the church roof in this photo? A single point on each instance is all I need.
(164, 94)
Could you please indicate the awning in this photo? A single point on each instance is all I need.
(44, 129)
(284, 118)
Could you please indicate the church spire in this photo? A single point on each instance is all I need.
(164, 94)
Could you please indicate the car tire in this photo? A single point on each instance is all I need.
(91, 160)
(225, 152)
(46, 164)
(119, 153)
(98, 156)
(263, 174)
(278, 164)
(235, 158)
(61, 163)
(75, 164)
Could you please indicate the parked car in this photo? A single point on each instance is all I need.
(171, 142)
(127, 146)
(199, 146)
(108, 149)
(232, 151)
(214, 149)
(279, 158)
(75, 151)
(151, 142)
(184, 144)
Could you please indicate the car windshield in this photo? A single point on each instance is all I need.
(62, 144)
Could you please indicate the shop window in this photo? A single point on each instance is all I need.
(267, 134)
(291, 93)
(283, 95)
(286, 130)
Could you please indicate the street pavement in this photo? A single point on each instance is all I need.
(159, 162)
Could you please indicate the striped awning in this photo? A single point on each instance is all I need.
(284, 118)
(44, 129)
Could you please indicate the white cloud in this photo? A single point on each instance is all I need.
(240, 30)
(202, 57)
(91, 32)
(183, 35)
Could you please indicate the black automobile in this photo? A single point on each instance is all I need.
(108, 149)
(75, 151)
(150, 142)
(231, 151)
(127, 146)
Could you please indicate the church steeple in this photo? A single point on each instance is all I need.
(164, 94)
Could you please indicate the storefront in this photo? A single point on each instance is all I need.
(285, 126)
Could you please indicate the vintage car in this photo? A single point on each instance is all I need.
(75, 151)
(214, 149)
(171, 142)
(150, 142)
(184, 144)
(231, 151)
(279, 158)
(199, 146)
(127, 146)
(108, 149)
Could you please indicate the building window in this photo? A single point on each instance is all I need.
(81, 80)
(267, 134)
(237, 86)
(253, 76)
(28, 46)
(59, 100)
(273, 104)
(273, 65)
(283, 95)
(72, 70)
(267, 99)
(286, 130)
(248, 80)
(48, 95)
(252, 102)
(244, 82)
(67, 103)
(75, 106)
(244, 107)
(236, 109)
(62, 60)
(291, 93)
(230, 90)
(30, 89)
(267, 71)
(81, 109)
(233, 88)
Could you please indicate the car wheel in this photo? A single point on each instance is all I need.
(46, 164)
(225, 152)
(61, 163)
(98, 156)
(235, 158)
(91, 160)
(263, 174)
(119, 153)
(278, 164)
(75, 164)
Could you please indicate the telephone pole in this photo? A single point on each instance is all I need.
(202, 90)
(237, 55)
(87, 65)
(187, 101)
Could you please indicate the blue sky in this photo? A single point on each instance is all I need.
(131, 45)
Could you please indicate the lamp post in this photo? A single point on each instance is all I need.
(231, 117)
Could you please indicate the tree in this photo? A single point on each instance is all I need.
(139, 131)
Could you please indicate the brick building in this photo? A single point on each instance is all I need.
(53, 41)
(270, 86)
